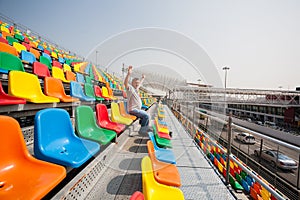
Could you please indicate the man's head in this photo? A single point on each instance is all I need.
(135, 82)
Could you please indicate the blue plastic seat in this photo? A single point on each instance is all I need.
(27, 57)
(245, 186)
(80, 78)
(77, 91)
(55, 140)
(164, 155)
(87, 69)
(61, 60)
(162, 122)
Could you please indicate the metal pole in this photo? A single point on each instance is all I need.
(298, 174)
(228, 148)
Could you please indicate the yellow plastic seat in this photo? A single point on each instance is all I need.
(54, 55)
(162, 129)
(105, 92)
(19, 47)
(59, 74)
(27, 86)
(67, 67)
(153, 190)
(116, 115)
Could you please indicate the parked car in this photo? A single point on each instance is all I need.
(259, 123)
(246, 138)
(283, 160)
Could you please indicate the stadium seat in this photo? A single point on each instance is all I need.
(26, 45)
(153, 190)
(35, 52)
(89, 90)
(80, 78)
(8, 49)
(98, 93)
(77, 92)
(54, 55)
(19, 47)
(27, 86)
(124, 113)
(116, 115)
(46, 55)
(161, 128)
(55, 140)
(161, 142)
(10, 62)
(58, 73)
(111, 94)
(137, 196)
(164, 155)
(70, 76)
(105, 93)
(3, 40)
(164, 173)
(104, 121)
(22, 175)
(46, 62)
(87, 127)
(11, 40)
(27, 57)
(56, 64)
(54, 87)
(61, 60)
(40, 70)
(235, 185)
(6, 99)
(67, 67)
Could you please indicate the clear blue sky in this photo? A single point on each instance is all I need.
(258, 40)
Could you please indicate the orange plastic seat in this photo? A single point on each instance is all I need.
(27, 86)
(35, 52)
(124, 113)
(70, 76)
(164, 173)
(21, 175)
(116, 115)
(53, 87)
(8, 49)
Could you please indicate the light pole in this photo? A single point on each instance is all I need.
(96, 59)
(226, 69)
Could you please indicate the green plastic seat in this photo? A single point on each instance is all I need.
(11, 40)
(87, 127)
(10, 62)
(238, 178)
(46, 62)
(88, 79)
(161, 142)
(89, 90)
(236, 186)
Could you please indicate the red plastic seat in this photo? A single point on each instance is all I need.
(21, 175)
(41, 70)
(137, 196)
(104, 121)
(3, 40)
(56, 64)
(98, 92)
(6, 99)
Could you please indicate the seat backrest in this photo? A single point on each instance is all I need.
(115, 111)
(85, 118)
(88, 79)
(47, 56)
(19, 47)
(40, 69)
(52, 124)
(8, 49)
(151, 136)
(70, 76)
(56, 64)
(28, 57)
(67, 67)
(54, 54)
(80, 78)
(89, 90)
(24, 85)
(122, 108)
(11, 40)
(76, 90)
(10, 62)
(58, 73)
(3, 40)
(151, 150)
(97, 91)
(105, 92)
(102, 113)
(46, 61)
(35, 52)
(12, 147)
(54, 87)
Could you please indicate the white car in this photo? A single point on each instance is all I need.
(283, 161)
(246, 138)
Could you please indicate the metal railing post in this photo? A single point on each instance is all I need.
(228, 148)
